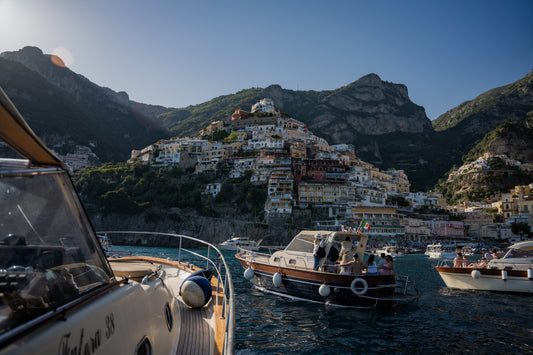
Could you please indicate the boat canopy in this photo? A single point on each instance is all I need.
(304, 241)
(19, 136)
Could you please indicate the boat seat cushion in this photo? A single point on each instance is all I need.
(134, 270)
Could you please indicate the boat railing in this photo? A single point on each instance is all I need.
(216, 260)
(445, 263)
(404, 285)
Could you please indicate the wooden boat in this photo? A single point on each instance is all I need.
(513, 273)
(61, 295)
(290, 273)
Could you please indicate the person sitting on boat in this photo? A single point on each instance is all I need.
(482, 264)
(388, 266)
(347, 250)
(460, 260)
(371, 266)
(352, 267)
(318, 251)
(494, 254)
(486, 254)
(382, 260)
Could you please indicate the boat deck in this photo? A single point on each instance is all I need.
(196, 327)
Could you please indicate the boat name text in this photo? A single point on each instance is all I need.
(87, 346)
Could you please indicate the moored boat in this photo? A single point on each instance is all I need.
(441, 251)
(236, 243)
(290, 273)
(513, 273)
(391, 249)
(60, 294)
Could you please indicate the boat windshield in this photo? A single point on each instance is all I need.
(304, 242)
(519, 253)
(48, 255)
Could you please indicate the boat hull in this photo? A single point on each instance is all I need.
(517, 281)
(305, 285)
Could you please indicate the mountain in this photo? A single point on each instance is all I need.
(375, 116)
(502, 160)
(66, 109)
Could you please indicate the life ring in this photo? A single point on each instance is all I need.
(357, 291)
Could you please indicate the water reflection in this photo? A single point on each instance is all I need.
(443, 321)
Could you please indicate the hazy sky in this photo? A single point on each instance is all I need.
(179, 53)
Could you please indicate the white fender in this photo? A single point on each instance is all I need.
(476, 274)
(504, 275)
(276, 279)
(324, 290)
(248, 274)
(530, 273)
(355, 288)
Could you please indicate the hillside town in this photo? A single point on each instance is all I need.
(301, 170)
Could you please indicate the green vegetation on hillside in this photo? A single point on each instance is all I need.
(514, 139)
(135, 188)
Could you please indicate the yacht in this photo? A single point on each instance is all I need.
(236, 243)
(61, 294)
(441, 251)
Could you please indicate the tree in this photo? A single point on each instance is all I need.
(520, 228)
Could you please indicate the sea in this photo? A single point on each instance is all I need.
(442, 321)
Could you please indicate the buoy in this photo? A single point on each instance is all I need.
(248, 274)
(504, 275)
(530, 273)
(357, 289)
(324, 290)
(476, 274)
(276, 279)
(196, 291)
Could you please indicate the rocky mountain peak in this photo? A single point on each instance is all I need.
(370, 80)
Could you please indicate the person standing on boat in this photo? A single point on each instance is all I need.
(318, 251)
(347, 250)
(371, 266)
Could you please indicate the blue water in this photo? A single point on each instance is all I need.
(443, 321)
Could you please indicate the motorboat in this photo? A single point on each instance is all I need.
(236, 243)
(291, 273)
(441, 251)
(391, 249)
(109, 251)
(513, 273)
(59, 292)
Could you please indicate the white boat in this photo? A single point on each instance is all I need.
(440, 251)
(61, 295)
(468, 250)
(109, 251)
(392, 250)
(513, 273)
(237, 243)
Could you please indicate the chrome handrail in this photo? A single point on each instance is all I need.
(229, 294)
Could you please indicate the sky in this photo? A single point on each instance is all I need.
(179, 53)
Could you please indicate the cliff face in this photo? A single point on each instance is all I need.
(370, 106)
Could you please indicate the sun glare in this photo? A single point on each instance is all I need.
(62, 57)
